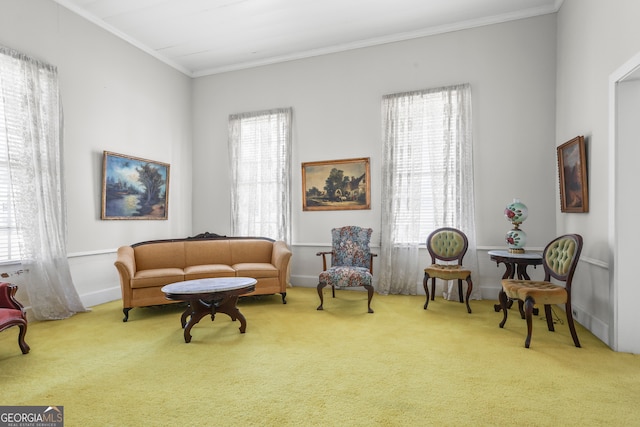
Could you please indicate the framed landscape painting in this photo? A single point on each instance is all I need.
(134, 188)
(336, 185)
(572, 168)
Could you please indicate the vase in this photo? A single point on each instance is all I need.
(516, 212)
(516, 239)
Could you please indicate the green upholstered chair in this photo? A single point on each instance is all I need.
(12, 313)
(560, 259)
(351, 262)
(447, 247)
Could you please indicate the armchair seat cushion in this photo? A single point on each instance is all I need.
(542, 292)
(9, 316)
(346, 277)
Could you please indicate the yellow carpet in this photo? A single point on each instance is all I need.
(402, 366)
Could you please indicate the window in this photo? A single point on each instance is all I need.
(426, 143)
(427, 179)
(9, 243)
(9, 125)
(260, 151)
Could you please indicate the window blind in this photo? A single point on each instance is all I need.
(10, 128)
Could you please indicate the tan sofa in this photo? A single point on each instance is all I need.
(146, 267)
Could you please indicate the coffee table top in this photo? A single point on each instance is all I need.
(212, 285)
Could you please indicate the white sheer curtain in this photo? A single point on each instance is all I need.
(427, 181)
(31, 131)
(260, 157)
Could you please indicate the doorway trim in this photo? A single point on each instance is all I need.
(627, 70)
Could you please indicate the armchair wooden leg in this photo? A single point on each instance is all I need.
(369, 289)
(502, 296)
(320, 286)
(425, 284)
(528, 311)
(469, 289)
(24, 347)
(460, 296)
(433, 288)
(572, 327)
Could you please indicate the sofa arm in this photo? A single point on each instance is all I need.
(280, 257)
(126, 264)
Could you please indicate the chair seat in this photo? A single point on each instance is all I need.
(447, 272)
(342, 277)
(542, 292)
(10, 317)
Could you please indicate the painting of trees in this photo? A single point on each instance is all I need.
(134, 188)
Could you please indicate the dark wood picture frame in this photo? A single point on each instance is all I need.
(572, 168)
(134, 188)
(336, 185)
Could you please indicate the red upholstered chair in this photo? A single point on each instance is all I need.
(560, 259)
(12, 313)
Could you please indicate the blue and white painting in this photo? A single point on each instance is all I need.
(134, 188)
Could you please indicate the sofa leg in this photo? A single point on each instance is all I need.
(284, 295)
(126, 313)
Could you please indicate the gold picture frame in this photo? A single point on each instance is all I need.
(134, 188)
(336, 185)
(572, 168)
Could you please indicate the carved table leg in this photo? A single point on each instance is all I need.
(229, 307)
(198, 310)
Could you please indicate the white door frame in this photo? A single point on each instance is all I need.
(618, 341)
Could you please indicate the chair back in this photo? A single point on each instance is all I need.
(560, 258)
(350, 247)
(447, 244)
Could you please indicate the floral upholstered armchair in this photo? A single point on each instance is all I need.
(351, 262)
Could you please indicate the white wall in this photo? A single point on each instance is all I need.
(115, 98)
(336, 102)
(595, 38)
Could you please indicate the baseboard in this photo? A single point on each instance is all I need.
(304, 281)
(100, 297)
(596, 326)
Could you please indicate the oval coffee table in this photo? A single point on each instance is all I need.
(208, 297)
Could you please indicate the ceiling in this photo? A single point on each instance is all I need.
(202, 37)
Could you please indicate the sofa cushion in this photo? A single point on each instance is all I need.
(157, 277)
(250, 251)
(207, 252)
(257, 270)
(160, 255)
(210, 270)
